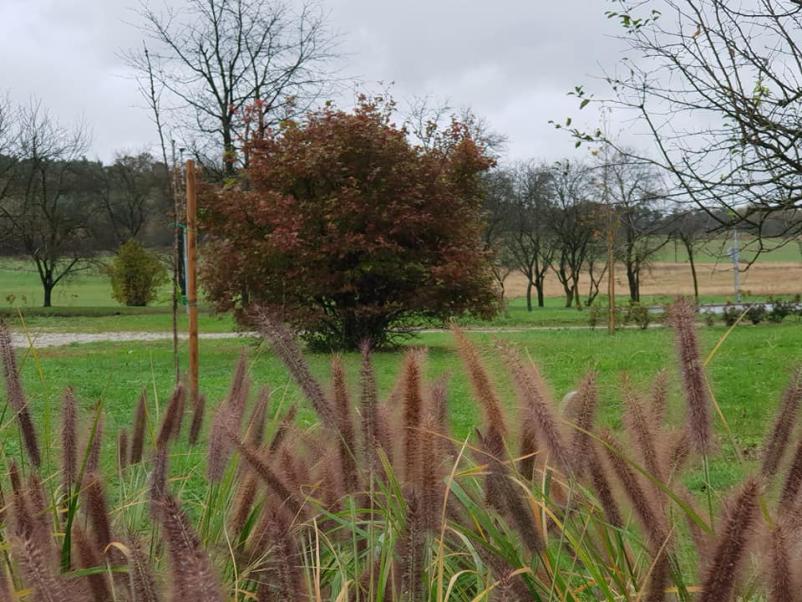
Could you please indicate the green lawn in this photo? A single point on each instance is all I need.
(717, 251)
(20, 287)
(748, 374)
(159, 319)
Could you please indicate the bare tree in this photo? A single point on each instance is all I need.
(634, 191)
(8, 134)
(228, 63)
(133, 191)
(426, 120)
(574, 225)
(46, 211)
(717, 85)
(497, 192)
(532, 246)
(691, 228)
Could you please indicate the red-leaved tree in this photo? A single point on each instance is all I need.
(347, 230)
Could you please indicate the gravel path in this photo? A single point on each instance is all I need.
(58, 339)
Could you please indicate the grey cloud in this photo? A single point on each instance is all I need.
(512, 61)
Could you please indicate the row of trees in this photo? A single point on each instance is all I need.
(565, 219)
(561, 219)
(60, 209)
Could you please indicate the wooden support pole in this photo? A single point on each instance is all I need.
(611, 272)
(192, 290)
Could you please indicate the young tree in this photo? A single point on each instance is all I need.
(136, 274)
(217, 57)
(346, 229)
(46, 211)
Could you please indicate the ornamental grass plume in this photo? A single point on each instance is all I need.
(198, 412)
(93, 444)
(123, 451)
(16, 396)
(781, 587)
(256, 423)
(682, 317)
(97, 510)
(287, 349)
(89, 557)
(776, 444)
(341, 402)
(480, 381)
(412, 414)
(69, 438)
(601, 484)
(192, 574)
(227, 419)
(537, 402)
(584, 417)
(730, 549)
(659, 399)
(142, 583)
(652, 522)
(368, 408)
(793, 480)
(509, 497)
(138, 437)
(640, 431)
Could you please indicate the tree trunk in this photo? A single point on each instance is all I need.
(229, 152)
(540, 297)
(689, 250)
(47, 285)
(528, 295)
(569, 290)
(632, 280)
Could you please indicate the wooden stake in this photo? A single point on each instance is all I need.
(611, 271)
(192, 291)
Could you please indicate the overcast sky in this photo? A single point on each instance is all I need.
(511, 61)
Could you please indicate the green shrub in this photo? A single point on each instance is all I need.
(730, 314)
(595, 314)
(136, 275)
(599, 314)
(756, 313)
(638, 314)
(780, 310)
